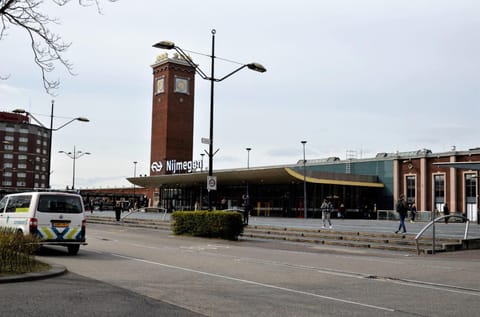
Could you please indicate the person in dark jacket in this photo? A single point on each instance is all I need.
(413, 213)
(118, 210)
(446, 212)
(402, 210)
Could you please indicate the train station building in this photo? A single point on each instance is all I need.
(363, 186)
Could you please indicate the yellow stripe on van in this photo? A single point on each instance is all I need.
(47, 233)
(72, 233)
(24, 209)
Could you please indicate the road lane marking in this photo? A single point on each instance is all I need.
(413, 283)
(255, 283)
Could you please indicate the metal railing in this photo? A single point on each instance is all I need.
(432, 224)
(143, 209)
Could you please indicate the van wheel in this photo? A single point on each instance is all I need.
(73, 249)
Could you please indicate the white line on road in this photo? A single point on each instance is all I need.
(255, 283)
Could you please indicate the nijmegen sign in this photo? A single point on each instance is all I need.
(173, 166)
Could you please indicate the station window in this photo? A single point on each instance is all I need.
(471, 196)
(439, 191)
(410, 183)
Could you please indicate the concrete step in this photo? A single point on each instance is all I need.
(349, 239)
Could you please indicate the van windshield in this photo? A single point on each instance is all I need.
(59, 203)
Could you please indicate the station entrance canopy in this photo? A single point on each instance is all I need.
(267, 175)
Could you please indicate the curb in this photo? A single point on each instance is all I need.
(56, 270)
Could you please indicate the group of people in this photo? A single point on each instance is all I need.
(402, 208)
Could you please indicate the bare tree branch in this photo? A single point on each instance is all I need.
(47, 47)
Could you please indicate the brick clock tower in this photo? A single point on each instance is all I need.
(171, 149)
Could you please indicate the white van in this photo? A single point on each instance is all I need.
(57, 218)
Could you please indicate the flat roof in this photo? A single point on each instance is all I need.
(265, 175)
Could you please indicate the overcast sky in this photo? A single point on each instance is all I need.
(360, 75)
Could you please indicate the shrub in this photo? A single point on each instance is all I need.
(16, 252)
(212, 224)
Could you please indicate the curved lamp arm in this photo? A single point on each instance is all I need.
(82, 119)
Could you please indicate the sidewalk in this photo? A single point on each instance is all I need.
(451, 230)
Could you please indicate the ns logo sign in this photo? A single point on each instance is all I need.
(156, 166)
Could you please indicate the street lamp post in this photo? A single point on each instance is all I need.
(134, 175)
(304, 182)
(74, 156)
(50, 130)
(252, 66)
(248, 167)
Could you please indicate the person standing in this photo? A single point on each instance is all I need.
(446, 212)
(326, 210)
(413, 213)
(246, 212)
(342, 211)
(118, 210)
(402, 210)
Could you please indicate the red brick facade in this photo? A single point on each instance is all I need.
(429, 181)
(172, 113)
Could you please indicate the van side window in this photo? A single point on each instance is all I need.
(58, 203)
(19, 203)
(3, 203)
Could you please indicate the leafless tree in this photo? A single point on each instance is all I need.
(48, 48)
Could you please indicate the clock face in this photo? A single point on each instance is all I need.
(160, 85)
(181, 85)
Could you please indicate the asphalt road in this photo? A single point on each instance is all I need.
(127, 271)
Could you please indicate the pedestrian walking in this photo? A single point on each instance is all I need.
(402, 210)
(326, 209)
(413, 213)
(446, 212)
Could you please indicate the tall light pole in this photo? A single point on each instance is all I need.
(248, 167)
(134, 175)
(74, 156)
(50, 130)
(248, 156)
(253, 66)
(304, 182)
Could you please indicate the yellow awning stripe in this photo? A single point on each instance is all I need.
(333, 181)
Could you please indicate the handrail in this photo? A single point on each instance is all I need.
(432, 223)
(132, 211)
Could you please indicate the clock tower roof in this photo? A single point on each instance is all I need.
(164, 58)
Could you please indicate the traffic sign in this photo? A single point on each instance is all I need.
(211, 183)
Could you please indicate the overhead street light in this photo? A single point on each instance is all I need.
(168, 45)
(74, 156)
(50, 130)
